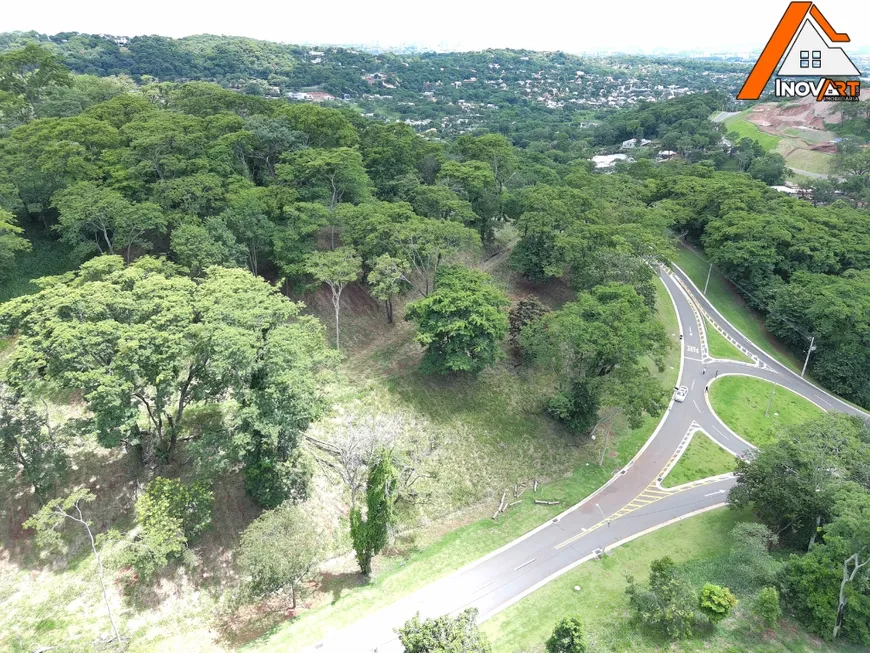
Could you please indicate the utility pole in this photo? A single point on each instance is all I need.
(608, 525)
(770, 401)
(809, 351)
(708, 278)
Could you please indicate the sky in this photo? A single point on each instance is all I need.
(578, 26)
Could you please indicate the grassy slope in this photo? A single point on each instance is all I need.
(700, 544)
(701, 459)
(741, 402)
(486, 407)
(719, 347)
(725, 298)
(745, 129)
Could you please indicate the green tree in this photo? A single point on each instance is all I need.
(336, 268)
(196, 342)
(792, 483)
(281, 550)
(473, 182)
(199, 244)
(569, 636)
(52, 516)
(246, 218)
(545, 216)
(769, 168)
(524, 312)
(370, 535)
(427, 243)
(28, 72)
(447, 634)
(766, 607)
(97, 219)
(596, 345)
(171, 514)
(716, 602)
(11, 241)
(850, 533)
(332, 176)
(462, 323)
(388, 278)
(295, 237)
(30, 444)
(669, 603)
(749, 557)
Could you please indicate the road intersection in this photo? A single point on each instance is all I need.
(629, 505)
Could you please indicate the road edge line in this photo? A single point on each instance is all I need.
(763, 351)
(601, 488)
(577, 563)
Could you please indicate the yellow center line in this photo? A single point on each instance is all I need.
(650, 495)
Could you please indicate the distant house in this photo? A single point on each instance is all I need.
(666, 155)
(605, 161)
(794, 191)
(632, 143)
(320, 96)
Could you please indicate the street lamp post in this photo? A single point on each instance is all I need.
(707, 283)
(604, 518)
(809, 351)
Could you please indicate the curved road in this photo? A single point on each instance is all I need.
(629, 505)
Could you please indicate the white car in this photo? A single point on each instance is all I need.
(681, 393)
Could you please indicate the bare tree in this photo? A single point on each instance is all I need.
(52, 516)
(355, 442)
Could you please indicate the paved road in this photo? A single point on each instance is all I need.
(630, 504)
(723, 116)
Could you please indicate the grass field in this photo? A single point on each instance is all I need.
(487, 409)
(46, 257)
(701, 459)
(699, 545)
(719, 347)
(745, 129)
(741, 402)
(798, 156)
(725, 298)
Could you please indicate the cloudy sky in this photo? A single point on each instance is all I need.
(572, 26)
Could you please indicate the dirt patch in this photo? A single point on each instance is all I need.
(775, 118)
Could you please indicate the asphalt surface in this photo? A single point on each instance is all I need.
(631, 503)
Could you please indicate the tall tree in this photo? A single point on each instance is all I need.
(280, 551)
(196, 341)
(371, 535)
(792, 483)
(97, 219)
(336, 268)
(462, 323)
(427, 243)
(595, 345)
(388, 278)
(28, 72)
(11, 241)
(29, 443)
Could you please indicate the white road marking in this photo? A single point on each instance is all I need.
(524, 564)
(696, 405)
(689, 358)
(712, 494)
(693, 384)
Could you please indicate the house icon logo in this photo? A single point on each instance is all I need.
(807, 47)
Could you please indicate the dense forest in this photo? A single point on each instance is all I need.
(200, 221)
